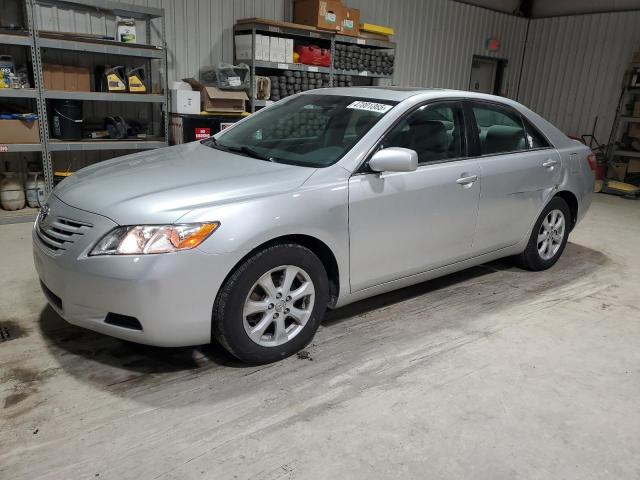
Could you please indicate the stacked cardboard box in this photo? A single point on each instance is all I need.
(19, 131)
(66, 77)
(328, 15)
(268, 49)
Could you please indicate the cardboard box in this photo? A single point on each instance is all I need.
(185, 101)
(215, 100)
(274, 44)
(277, 49)
(53, 76)
(326, 14)
(83, 79)
(66, 77)
(350, 21)
(633, 166)
(636, 57)
(288, 50)
(70, 79)
(634, 130)
(617, 171)
(264, 48)
(243, 47)
(17, 131)
(636, 109)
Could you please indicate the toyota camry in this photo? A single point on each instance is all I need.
(322, 199)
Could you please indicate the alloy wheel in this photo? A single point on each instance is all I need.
(551, 234)
(278, 305)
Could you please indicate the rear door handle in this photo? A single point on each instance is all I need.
(550, 163)
(467, 180)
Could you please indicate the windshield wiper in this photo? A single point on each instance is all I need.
(249, 152)
(213, 143)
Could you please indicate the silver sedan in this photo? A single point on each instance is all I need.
(317, 201)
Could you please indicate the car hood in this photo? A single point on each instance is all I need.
(160, 186)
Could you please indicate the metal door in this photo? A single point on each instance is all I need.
(483, 75)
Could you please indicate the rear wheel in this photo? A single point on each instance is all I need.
(272, 305)
(548, 238)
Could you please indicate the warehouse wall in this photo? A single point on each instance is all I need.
(573, 69)
(571, 72)
(438, 39)
(199, 32)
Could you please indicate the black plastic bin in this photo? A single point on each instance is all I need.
(66, 119)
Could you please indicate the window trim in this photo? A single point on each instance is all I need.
(469, 104)
(363, 168)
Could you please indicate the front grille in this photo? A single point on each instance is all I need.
(59, 234)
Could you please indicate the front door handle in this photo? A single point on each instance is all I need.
(549, 163)
(467, 181)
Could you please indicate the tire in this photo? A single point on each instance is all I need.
(536, 257)
(242, 293)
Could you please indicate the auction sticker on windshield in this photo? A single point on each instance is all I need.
(370, 106)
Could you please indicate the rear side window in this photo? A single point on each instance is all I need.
(500, 130)
(534, 138)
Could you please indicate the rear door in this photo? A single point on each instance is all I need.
(519, 169)
(404, 223)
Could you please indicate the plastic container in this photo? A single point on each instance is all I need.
(11, 192)
(66, 119)
(6, 64)
(34, 189)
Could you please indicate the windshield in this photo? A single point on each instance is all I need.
(309, 130)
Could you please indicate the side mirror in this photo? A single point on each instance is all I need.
(394, 159)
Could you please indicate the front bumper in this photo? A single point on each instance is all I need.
(171, 295)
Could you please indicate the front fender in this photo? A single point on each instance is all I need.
(319, 211)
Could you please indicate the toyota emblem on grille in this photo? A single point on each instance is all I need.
(44, 213)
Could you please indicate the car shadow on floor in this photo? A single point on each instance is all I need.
(107, 362)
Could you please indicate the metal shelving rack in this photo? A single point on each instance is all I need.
(620, 120)
(38, 41)
(255, 26)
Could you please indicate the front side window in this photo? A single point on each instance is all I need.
(500, 130)
(309, 130)
(435, 132)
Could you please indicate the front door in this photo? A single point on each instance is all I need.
(519, 170)
(406, 223)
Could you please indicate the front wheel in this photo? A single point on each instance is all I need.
(272, 304)
(548, 238)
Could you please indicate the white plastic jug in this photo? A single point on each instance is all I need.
(34, 188)
(11, 192)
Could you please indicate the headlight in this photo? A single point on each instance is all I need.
(136, 240)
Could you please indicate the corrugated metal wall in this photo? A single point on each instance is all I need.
(437, 38)
(199, 32)
(571, 73)
(574, 66)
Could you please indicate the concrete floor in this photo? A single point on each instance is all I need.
(491, 373)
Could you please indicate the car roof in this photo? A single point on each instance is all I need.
(399, 94)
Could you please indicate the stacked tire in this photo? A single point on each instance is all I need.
(309, 123)
(364, 59)
(295, 81)
(343, 81)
